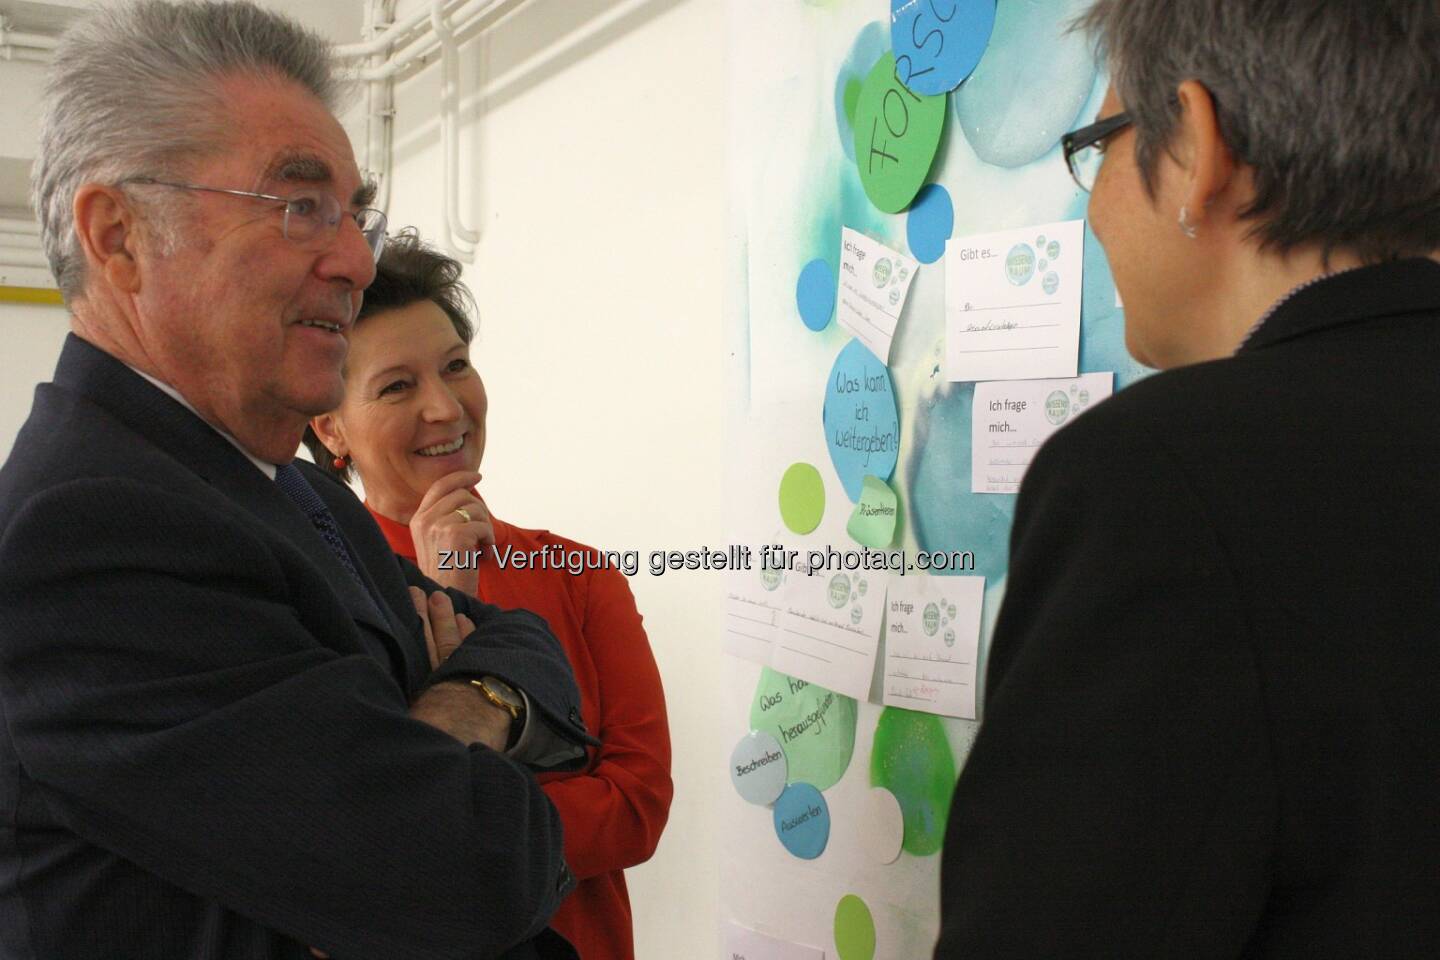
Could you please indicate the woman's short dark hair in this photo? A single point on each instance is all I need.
(1333, 105)
(409, 271)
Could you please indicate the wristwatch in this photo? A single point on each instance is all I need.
(505, 697)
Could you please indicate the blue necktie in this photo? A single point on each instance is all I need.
(294, 485)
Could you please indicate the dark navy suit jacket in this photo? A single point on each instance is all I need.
(205, 748)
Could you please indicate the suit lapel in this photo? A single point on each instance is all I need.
(111, 385)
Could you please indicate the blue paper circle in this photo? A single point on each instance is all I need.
(758, 768)
(937, 43)
(862, 423)
(1005, 122)
(815, 294)
(802, 821)
(929, 223)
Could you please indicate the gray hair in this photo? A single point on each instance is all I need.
(1332, 104)
(133, 91)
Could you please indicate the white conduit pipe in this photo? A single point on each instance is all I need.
(379, 117)
(427, 43)
(22, 257)
(460, 239)
(25, 54)
(35, 41)
(380, 43)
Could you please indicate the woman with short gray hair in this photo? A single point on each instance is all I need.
(1207, 728)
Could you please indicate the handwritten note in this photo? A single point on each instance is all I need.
(932, 641)
(829, 631)
(742, 943)
(874, 282)
(1012, 418)
(1012, 303)
(897, 133)
(752, 608)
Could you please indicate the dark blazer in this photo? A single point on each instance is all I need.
(1210, 728)
(206, 750)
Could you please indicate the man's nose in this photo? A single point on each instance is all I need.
(348, 257)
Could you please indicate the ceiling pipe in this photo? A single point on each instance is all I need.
(427, 43)
(18, 256)
(18, 225)
(460, 239)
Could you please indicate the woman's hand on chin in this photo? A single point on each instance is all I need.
(451, 529)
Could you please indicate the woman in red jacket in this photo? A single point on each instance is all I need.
(412, 424)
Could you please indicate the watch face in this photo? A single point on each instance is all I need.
(504, 692)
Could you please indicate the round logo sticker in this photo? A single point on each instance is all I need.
(931, 619)
(1020, 264)
(1057, 407)
(1051, 283)
(881, 275)
(839, 590)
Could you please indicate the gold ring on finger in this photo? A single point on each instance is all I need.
(464, 514)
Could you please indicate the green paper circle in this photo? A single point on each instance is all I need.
(896, 135)
(911, 758)
(854, 929)
(814, 726)
(802, 498)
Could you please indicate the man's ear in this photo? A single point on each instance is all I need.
(1209, 164)
(106, 224)
(331, 432)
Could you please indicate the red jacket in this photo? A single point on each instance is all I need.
(613, 811)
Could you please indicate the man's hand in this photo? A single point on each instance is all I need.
(438, 526)
(445, 629)
(454, 706)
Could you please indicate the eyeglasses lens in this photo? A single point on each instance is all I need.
(1085, 165)
(308, 212)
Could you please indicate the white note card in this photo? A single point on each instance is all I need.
(932, 641)
(1012, 303)
(742, 943)
(874, 282)
(1012, 418)
(829, 632)
(752, 607)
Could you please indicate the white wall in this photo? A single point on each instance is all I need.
(31, 338)
(593, 164)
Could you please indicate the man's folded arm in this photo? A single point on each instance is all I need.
(171, 704)
(525, 655)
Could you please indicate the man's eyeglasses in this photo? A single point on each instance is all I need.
(1085, 148)
(308, 213)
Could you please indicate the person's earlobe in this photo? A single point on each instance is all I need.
(332, 434)
(1210, 164)
(105, 225)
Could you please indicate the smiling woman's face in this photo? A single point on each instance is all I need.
(414, 407)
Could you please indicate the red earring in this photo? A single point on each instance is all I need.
(341, 462)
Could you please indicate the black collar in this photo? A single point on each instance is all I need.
(1393, 288)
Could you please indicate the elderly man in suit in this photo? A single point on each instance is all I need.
(236, 726)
